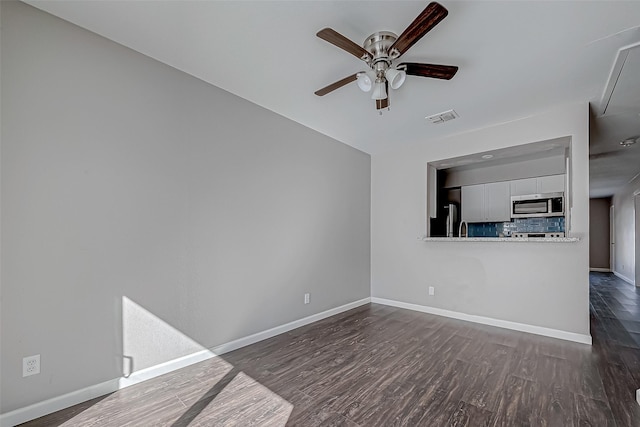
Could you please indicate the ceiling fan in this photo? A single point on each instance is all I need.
(381, 49)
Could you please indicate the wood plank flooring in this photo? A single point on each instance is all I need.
(383, 366)
(615, 328)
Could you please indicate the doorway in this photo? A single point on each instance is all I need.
(600, 234)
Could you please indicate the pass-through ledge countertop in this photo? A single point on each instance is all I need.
(504, 239)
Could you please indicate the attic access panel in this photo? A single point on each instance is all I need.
(622, 94)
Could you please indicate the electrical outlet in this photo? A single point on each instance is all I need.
(30, 365)
(432, 290)
(307, 298)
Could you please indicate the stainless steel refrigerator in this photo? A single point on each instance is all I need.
(452, 220)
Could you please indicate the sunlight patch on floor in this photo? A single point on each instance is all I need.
(243, 402)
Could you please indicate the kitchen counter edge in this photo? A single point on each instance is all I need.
(504, 239)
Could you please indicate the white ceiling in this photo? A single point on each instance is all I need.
(516, 59)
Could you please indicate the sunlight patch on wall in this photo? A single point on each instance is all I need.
(148, 340)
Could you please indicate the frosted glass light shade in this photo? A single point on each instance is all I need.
(364, 82)
(379, 91)
(395, 77)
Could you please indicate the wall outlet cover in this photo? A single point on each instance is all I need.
(432, 290)
(30, 365)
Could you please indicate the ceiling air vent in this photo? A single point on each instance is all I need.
(445, 116)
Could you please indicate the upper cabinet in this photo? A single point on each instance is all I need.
(486, 202)
(551, 184)
(473, 203)
(521, 187)
(543, 184)
(498, 199)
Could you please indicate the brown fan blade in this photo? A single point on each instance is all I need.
(429, 18)
(344, 43)
(436, 71)
(333, 86)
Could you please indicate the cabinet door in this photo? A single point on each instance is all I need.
(551, 184)
(497, 201)
(522, 187)
(473, 203)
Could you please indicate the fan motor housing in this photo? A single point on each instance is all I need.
(378, 44)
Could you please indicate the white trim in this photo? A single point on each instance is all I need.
(532, 329)
(601, 270)
(623, 277)
(57, 403)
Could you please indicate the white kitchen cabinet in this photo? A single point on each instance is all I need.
(473, 203)
(486, 202)
(550, 184)
(543, 184)
(522, 187)
(497, 201)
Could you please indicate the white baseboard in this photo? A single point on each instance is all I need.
(40, 409)
(623, 277)
(600, 270)
(538, 330)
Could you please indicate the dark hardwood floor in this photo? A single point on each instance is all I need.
(383, 366)
(615, 328)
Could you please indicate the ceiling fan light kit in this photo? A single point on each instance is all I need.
(379, 90)
(381, 49)
(395, 77)
(365, 81)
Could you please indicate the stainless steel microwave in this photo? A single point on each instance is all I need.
(537, 205)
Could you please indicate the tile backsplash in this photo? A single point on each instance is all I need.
(519, 225)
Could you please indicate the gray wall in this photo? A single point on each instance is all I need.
(599, 239)
(137, 197)
(499, 280)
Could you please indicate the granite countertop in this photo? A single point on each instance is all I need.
(504, 239)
